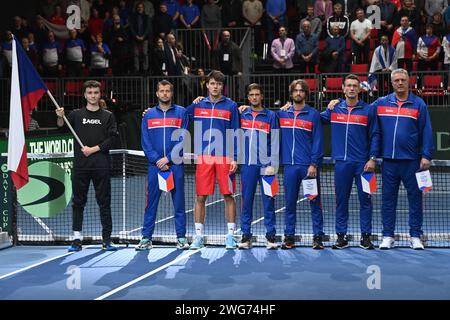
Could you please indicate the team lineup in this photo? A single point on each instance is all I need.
(395, 128)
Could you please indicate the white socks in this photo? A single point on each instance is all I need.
(231, 228)
(77, 235)
(199, 229)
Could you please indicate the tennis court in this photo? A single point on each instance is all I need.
(47, 271)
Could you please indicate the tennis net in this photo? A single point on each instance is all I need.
(36, 224)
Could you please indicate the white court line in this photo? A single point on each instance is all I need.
(189, 211)
(38, 264)
(126, 285)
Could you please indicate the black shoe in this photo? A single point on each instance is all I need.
(289, 242)
(366, 243)
(317, 243)
(246, 242)
(341, 242)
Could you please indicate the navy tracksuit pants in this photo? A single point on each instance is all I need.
(394, 171)
(293, 176)
(250, 175)
(153, 195)
(345, 173)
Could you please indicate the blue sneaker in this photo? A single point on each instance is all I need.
(230, 242)
(109, 246)
(198, 243)
(76, 246)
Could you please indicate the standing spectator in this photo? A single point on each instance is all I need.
(149, 9)
(172, 56)
(323, 9)
(388, 10)
(75, 54)
(40, 31)
(124, 12)
(84, 33)
(95, 24)
(252, 11)
(58, 18)
(100, 55)
(275, 17)
(101, 7)
(47, 8)
(332, 59)
(433, 6)
(428, 49)
(159, 59)
(228, 56)
(119, 40)
(383, 62)
(163, 22)
(283, 50)
(6, 49)
(439, 29)
(32, 54)
(446, 17)
(232, 13)
(190, 15)
(409, 11)
(316, 24)
(18, 29)
(446, 47)
(339, 20)
(141, 32)
(32, 43)
(173, 9)
(51, 56)
(360, 34)
(306, 47)
(405, 42)
(211, 17)
(349, 8)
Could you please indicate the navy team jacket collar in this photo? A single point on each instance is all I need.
(250, 110)
(159, 107)
(304, 110)
(393, 99)
(222, 98)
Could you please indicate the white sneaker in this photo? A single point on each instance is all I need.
(416, 243)
(387, 243)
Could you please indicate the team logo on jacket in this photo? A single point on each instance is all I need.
(91, 121)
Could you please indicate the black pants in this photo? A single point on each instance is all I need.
(102, 185)
(406, 64)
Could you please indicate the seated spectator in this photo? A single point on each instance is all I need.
(360, 34)
(228, 56)
(307, 47)
(75, 54)
(283, 50)
(404, 41)
(100, 55)
(316, 24)
(51, 56)
(428, 49)
(339, 20)
(383, 62)
(332, 58)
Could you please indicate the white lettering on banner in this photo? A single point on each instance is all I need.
(374, 15)
(73, 17)
(440, 142)
(91, 121)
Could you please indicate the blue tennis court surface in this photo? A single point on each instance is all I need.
(164, 273)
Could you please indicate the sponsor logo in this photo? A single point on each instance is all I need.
(91, 121)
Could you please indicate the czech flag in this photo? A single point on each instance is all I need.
(232, 183)
(424, 181)
(310, 190)
(27, 88)
(270, 185)
(165, 180)
(369, 182)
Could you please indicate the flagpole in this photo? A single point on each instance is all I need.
(65, 119)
